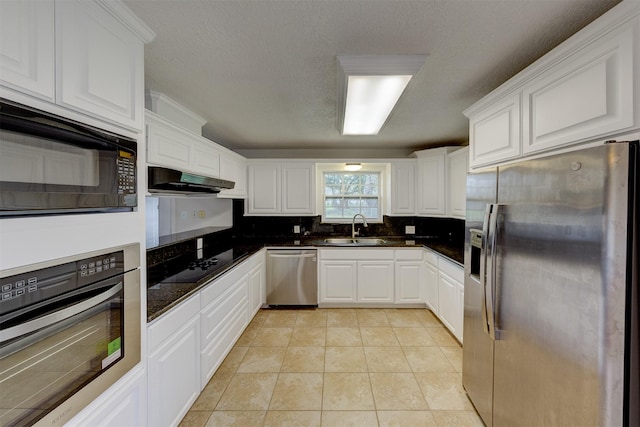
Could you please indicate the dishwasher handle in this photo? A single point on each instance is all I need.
(292, 255)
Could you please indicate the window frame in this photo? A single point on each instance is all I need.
(376, 168)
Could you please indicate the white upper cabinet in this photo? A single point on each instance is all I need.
(403, 188)
(432, 166)
(167, 145)
(100, 64)
(281, 189)
(457, 183)
(173, 147)
(588, 95)
(86, 56)
(584, 90)
(174, 141)
(233, 167)
(205, 159)
(264, 189)
(27, 47)
(298, 189)
(495, 132)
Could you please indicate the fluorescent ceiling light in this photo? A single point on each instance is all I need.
(353, 166)
(369, 87)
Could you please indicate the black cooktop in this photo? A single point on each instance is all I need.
(199, 269)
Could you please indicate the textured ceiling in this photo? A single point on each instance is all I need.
(263, 73)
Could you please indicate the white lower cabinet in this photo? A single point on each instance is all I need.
(188, 343)
(174, 363)
(431, 282)
(355, 276)
(409, 272)
(443, 286)
(257, 285)
(338, 281)
(447, 307)
(224, 315)
(375, 281)
(124, 406)
(369, 277)
(451, 296)
(408, 282)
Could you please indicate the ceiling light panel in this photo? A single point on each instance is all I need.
(369, 87)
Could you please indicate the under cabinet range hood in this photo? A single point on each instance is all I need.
(171, 181)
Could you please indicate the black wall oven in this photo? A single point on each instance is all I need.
(49, 164)
(69, 329)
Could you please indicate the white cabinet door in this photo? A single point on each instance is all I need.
(338, 281)
(431, 287)
(240, 189)
(403, 189)
(457, 183)
(257, 284)
(494, 133)
(447, 306)
(298, 189)
(174, 375)
(459, 316)
(375, 281)
(27, 61)
(408, 283)
(167, 145)
(431, 185)
(204, 158)
(588, 95)
(264, 189)
(235, 170)
(100, 64)
(222, 322)
(451, 296)
(124, 407)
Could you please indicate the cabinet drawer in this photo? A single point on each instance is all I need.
(167, 324)
(455, 271)
(222, 284)
(409, 254)
(356, 254)
(217, 349)
(214, 315)
(431, 258)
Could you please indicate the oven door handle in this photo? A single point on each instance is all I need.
(58, 316)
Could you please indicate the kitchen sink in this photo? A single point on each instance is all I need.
(364, 241)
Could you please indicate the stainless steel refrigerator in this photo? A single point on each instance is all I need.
(551, 290)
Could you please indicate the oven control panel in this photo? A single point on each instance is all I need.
(25, 289)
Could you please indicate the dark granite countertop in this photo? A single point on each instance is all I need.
(161, 297)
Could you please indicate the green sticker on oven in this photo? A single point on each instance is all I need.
(113, 346)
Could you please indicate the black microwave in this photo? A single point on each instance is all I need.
(52, 165)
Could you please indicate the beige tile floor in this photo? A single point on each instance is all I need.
(338, 367)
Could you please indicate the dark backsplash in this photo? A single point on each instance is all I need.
(166, 260)
(281, 227)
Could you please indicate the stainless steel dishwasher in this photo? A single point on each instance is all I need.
(292, 277)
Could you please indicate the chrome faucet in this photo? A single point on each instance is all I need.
(355, 233)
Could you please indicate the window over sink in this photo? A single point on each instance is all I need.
(346, 194)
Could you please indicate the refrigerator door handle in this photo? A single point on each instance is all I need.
(497, 215)
(483, 267)
(490, 287)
